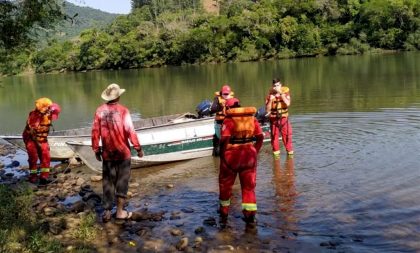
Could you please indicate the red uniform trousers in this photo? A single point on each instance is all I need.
(41, 151)
(238, 159)
(281, 125)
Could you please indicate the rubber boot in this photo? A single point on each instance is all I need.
(249, 218)
(223, 213)
(216, 147)
(44, 177)
(276, 155)
(33, 178)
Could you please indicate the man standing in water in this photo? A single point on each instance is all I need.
(241, 140)
(219, 107)
(277, 107)
(114, 128)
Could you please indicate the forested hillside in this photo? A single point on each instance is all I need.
(80, 18)
(175, 32)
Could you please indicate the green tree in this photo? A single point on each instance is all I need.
(20, 20)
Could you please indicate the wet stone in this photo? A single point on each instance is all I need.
(55, 230)
(182, 244)
(281, 250)
(142, 232)
(9, 174)
(199, 230)
(134, 185)
(78, 207)
(187, 210)
(95, 178)
(49, 211)
(176, 232)
(180, 224)
(198, 241)
(175, 216)
(226, 247)
(80, 181)
(92, 196)
(211, 221)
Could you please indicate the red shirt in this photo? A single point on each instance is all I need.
(113, 126)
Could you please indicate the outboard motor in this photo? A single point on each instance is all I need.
(260, 114)
(203, 108)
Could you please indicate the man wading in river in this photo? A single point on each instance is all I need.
(241, 140)
(277, 106)
(114, 127)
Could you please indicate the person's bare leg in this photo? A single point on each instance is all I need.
(121, 213)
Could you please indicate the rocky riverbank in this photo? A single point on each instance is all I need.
(69, 211)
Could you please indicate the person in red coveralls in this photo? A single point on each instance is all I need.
(277, 107)
(241, 140)
(35, 137)
(114, 128)
(219, 107)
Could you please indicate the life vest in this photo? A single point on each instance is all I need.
(244, 126)
(220, 115)
(278, 106)
(42, 130)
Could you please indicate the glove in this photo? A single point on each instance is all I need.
(140, 153)
(98, 156)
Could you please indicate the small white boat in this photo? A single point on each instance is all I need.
(59, 150)
(184, 139)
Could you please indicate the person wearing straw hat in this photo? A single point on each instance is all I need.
(113, 127)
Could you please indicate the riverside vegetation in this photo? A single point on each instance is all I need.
(158, 33)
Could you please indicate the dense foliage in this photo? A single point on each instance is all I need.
(21, 20)
(20, 23)
(169, 32)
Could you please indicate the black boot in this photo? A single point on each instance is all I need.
(216, 147)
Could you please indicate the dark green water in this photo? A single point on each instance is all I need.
(352, 186)
(353, 83)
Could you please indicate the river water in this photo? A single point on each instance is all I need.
(352, 185)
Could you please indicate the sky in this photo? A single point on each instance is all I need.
(111, 6)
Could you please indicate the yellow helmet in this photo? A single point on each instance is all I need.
(43, 104)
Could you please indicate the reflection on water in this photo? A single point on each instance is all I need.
(284, 183)
(350, 83)
(351, 186)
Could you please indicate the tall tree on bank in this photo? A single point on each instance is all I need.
(21, 19)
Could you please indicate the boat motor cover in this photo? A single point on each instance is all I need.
(261, 114)
(203, 108)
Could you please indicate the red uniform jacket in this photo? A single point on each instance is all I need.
(37, 126)
(113, 126)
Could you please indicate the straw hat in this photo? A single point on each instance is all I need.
(112, 92)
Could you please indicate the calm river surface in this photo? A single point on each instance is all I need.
(353, 185)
